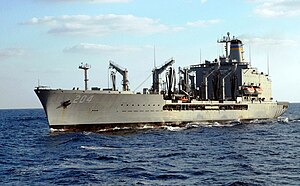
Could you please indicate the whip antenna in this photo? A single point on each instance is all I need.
(268, 65)
(154, 57)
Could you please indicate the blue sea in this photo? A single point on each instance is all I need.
(259, 153)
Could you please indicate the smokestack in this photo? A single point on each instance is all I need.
(236, 51)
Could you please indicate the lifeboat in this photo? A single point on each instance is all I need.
(248, 90)
(183, 99)
(258, 90)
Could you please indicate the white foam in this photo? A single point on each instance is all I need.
(87, 133)
(254, 121)
(90, 147)
(57, 130)
(97, 148)
(283, 119)
(147, 127)
(214, 124)
(103, 130)
(171, 128)
(193, 125)
(119, 128)
(238, 121)
(113, 129)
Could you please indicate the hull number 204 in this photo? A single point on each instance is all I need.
(83, 99)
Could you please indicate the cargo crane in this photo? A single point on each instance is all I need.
(123, 72)
(206, 76)
(171, 83)
(113, 79)
(184, 82)
(156, 72)
(187, 82)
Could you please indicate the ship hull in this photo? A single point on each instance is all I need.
(71, 109)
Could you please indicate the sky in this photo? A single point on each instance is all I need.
(42, 42)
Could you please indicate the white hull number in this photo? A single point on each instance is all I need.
(83, 99)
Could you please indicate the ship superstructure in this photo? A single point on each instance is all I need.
(230, 77)
(225, 89)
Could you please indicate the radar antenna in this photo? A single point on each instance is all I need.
(85, 67)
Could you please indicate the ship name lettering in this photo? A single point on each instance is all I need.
(83, 99)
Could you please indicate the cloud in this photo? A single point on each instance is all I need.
(6, 53)
(88, 1)
(277, 8)
(203, 1)
(99, 48)
(203, 23)
(268, 41)
(100, 25)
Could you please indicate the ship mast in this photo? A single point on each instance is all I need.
(85, 67)
(226, 40)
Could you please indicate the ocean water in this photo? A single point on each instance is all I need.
(260, 153)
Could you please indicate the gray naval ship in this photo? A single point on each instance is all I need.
(223, 90)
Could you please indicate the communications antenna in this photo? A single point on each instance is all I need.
(154, 57)
(200, 56)
(250, 58)
(268, 65)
